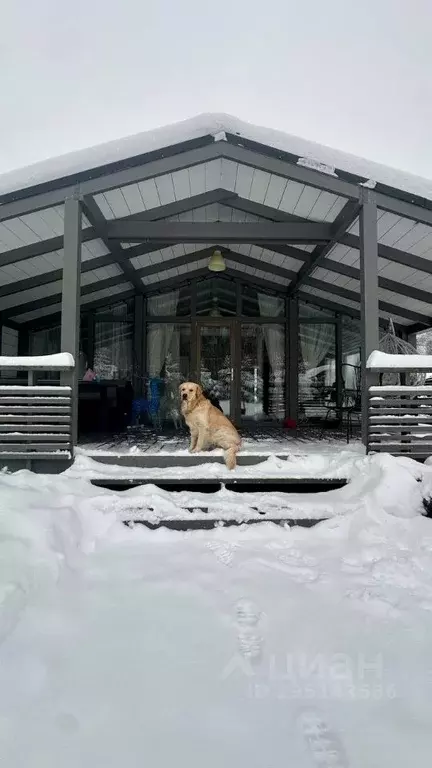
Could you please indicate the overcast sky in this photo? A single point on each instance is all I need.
(353, 74)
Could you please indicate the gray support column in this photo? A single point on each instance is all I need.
(139, 361)
(293, 359)
(338, 356)
(71, 298)
(369, 323)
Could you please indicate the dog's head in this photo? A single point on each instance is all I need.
(190, 395)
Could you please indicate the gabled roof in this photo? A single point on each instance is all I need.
(214, 174)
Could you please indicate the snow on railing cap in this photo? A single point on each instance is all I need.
(60, 362)
(380, 361)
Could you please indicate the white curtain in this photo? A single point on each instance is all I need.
(316, 340)
(274, 337)
(162, 337)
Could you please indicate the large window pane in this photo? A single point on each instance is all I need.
(168, 364)
(262, 373)
(113, 355)
(317, 368)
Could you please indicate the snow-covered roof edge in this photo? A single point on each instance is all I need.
(315, 155)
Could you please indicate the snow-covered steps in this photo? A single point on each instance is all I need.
(208, 523)
(215, 484)
(166, 460)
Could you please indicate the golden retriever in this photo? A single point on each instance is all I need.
(208, 426)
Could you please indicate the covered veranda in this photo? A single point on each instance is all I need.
(106, 252)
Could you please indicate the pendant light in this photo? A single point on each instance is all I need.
(217, 262)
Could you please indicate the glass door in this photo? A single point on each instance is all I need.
(215, 363)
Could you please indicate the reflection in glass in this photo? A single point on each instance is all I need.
(113, 354)
(317, 368)
(216, 365)
(168, 364)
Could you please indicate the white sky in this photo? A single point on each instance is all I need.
(353, 74)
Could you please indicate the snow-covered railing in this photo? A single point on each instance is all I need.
(400, 415)
(36, 420)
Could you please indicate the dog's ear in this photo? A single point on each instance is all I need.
(199, 394)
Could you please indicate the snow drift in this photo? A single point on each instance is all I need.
(255, 646)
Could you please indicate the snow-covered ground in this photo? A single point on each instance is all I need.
(256, 646)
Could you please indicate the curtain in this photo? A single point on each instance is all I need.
(317, 343)
(162, 337)
(274, 338)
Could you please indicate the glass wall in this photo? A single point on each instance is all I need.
(317, 368)
(262, 372)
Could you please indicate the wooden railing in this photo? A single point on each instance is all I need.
(37, 419)
(399, 419)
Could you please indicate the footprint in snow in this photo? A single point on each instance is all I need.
(323, 743)
(297, 572)
(250, 641)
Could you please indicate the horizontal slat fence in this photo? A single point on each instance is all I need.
(400, 420)
(36, 420)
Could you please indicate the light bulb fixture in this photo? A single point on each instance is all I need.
(217, 262)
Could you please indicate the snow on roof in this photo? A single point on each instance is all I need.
(314, 155)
